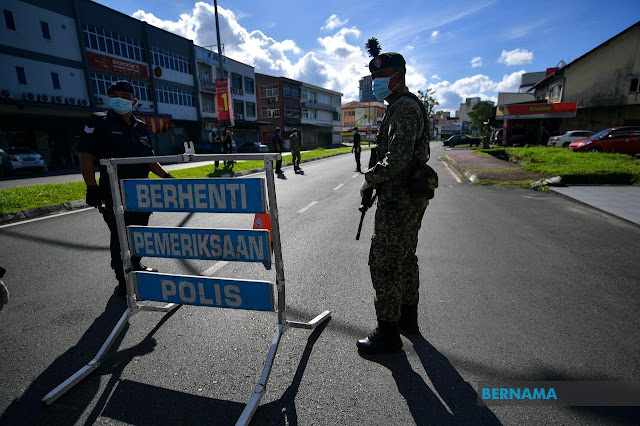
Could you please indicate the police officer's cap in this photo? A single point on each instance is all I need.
(382, 60)
(121, 85)
(277, 128)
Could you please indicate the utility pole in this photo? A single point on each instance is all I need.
(220, 71)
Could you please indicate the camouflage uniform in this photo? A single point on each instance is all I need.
(392, 259)
(295, 150)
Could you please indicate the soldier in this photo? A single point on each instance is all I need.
(357, 149)
(295, 150)
(277, 147)
(117, 134)
(392, 258)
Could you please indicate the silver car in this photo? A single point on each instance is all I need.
(571, 136)
(26, 159)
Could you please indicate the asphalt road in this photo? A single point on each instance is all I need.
(516, 285)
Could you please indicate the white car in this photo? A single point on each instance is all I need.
(24, 159)
(571, 136)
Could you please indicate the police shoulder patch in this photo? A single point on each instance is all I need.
(88, 129)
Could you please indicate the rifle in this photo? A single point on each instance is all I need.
(368, 198)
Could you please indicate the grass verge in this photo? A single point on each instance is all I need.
(28, 197)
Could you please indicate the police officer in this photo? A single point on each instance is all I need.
(277, 147)
(357, 149)
(295, 150)
(116, 133)
(392, 258)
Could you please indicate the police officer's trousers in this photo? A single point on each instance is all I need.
(295, 157)
(392, 259)
(357, 154)
(130, 218)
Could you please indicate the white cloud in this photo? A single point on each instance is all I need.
(334, 22)
(516, 57)
(435, 33)
(476, 62)
(450, 95)
(337, 63)
(409, 47)
(435, 77)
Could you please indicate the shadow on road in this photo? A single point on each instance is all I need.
(28, 409)
(425, 406)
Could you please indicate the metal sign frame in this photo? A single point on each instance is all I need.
(133, 304)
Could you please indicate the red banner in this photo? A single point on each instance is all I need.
(520, 111)
(223, 98)
(156, 124)
(116, 66)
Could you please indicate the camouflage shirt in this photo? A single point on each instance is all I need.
(400, 130)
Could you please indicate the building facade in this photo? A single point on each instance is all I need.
(320, 121)
(365, 116)
(366, 89)
(278, 100)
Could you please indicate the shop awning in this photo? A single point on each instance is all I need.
(528, 111)
(156, 123)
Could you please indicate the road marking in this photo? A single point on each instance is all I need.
(355, 176)
(307, 207)
(215, 268)
(338, 187)
(451, 171)
(45, 217)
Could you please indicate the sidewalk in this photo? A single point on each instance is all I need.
(620, 201)
(485, 168)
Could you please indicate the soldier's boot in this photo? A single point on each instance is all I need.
(409, 319)
(384, 338)
(121, 288)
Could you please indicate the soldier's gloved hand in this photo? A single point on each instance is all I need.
(93, 196)
(364, 187)
(168, 176)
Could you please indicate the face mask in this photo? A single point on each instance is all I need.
(120, 106)
(381, 88)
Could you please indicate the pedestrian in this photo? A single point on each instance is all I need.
(117, 133)
(227, 146)
(357, 149)
(295, 150)
(216, 144)
(392, 258)
(277, 147)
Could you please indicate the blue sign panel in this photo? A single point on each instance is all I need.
(214, 195)
(204, 291)
(239, 245)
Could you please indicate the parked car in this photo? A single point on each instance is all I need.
(625, 140)
(26, 159)
(462, 140)
(571, 136)
(253, 147)
(5, 165)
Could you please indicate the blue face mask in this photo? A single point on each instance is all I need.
(120, 106)
(380, 88)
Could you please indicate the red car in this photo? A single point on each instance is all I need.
(625, 140)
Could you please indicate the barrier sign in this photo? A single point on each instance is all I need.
(238, 245)
(214, 195)
(204, 291)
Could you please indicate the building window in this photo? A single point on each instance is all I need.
(635, 86)
(45, 30)
(115, 44)
(295, 93)
(56, 80)
(296, 112)
(205, 72)
(336, 116)
(208, 103)
(309, 113)
(166, 59)
(238, 107)
(288, 112)
(101, 83)
(324, 99)
(270, 91)
(286, 90)
(309, 96)
(251, 109)
(270, 112)
(8, 19)
(248, 85)
(236, 81)
(22, 76)
(173, 95)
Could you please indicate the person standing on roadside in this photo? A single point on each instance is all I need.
(227, 145)
(295, 150)
(216, 144)
(277, 147)
(357, 149)
(117, 133)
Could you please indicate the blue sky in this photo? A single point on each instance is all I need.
(461, 49)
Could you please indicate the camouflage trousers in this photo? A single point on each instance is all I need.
(392, 259)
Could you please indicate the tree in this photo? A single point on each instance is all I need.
(429, 103)
(479, 114)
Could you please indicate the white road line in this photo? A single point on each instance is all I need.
(45, 217)
(215, 268)
(307, 207)
(338, 187)
(355, 176)
(451, 171)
